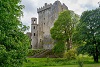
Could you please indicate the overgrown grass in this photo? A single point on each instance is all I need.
(58, 62)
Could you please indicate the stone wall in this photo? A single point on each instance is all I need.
(46, 18)
(34, 31)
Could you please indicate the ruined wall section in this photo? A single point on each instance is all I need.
(43, 15)
(47, 16)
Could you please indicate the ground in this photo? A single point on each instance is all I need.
(58, 62)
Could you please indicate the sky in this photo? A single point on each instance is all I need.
(78, 6)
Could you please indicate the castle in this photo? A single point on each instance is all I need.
(40, 32)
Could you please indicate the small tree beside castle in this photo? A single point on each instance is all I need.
(63, 30)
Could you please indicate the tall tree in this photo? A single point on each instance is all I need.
(64, 28)
(89, 33)
(13, 42)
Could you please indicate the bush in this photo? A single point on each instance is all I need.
(32, 52)
(3, 53)
(80, 60)
(70, 54)
(59, 48)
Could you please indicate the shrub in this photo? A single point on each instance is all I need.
(70, 54)
(32, 52)
(80, 60)
(59, 48)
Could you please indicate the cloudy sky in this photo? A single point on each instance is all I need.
(78, 6)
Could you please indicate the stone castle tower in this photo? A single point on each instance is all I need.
(40, 32)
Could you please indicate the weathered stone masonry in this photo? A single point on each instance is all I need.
(40, 32)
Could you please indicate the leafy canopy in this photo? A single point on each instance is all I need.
(13, 42)
(89, 33)
(63, 30)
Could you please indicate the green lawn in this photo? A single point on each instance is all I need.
(85, 65)
(58, 62)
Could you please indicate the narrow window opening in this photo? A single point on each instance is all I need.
(40, 40)
(34, 34)
(34, 27)
(62, 8)
(34, 21)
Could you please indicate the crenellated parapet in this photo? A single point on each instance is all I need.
(46, 6)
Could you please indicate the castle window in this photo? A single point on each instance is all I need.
(34, 27)
(44, 18)
(34, 34)
(40, 40)
(44, 23)
(33, 21)
(62, 8)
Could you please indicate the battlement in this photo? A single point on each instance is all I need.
(46, 6)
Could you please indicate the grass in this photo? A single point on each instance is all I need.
(58, 62)
(86, 65)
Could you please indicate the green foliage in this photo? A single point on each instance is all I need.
(63, 30)
(58, 31)
(48, 59)
(32, 52)
(80, 60)
(70, 54)
(58, 62)
(13, 42)
(89, 33)
(59, 48)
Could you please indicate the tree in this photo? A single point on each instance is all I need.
(89, 33)
(64, 28)
(13, 42)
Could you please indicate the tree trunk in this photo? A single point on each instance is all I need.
(70, 41)
(69, 44)
(95, 56)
